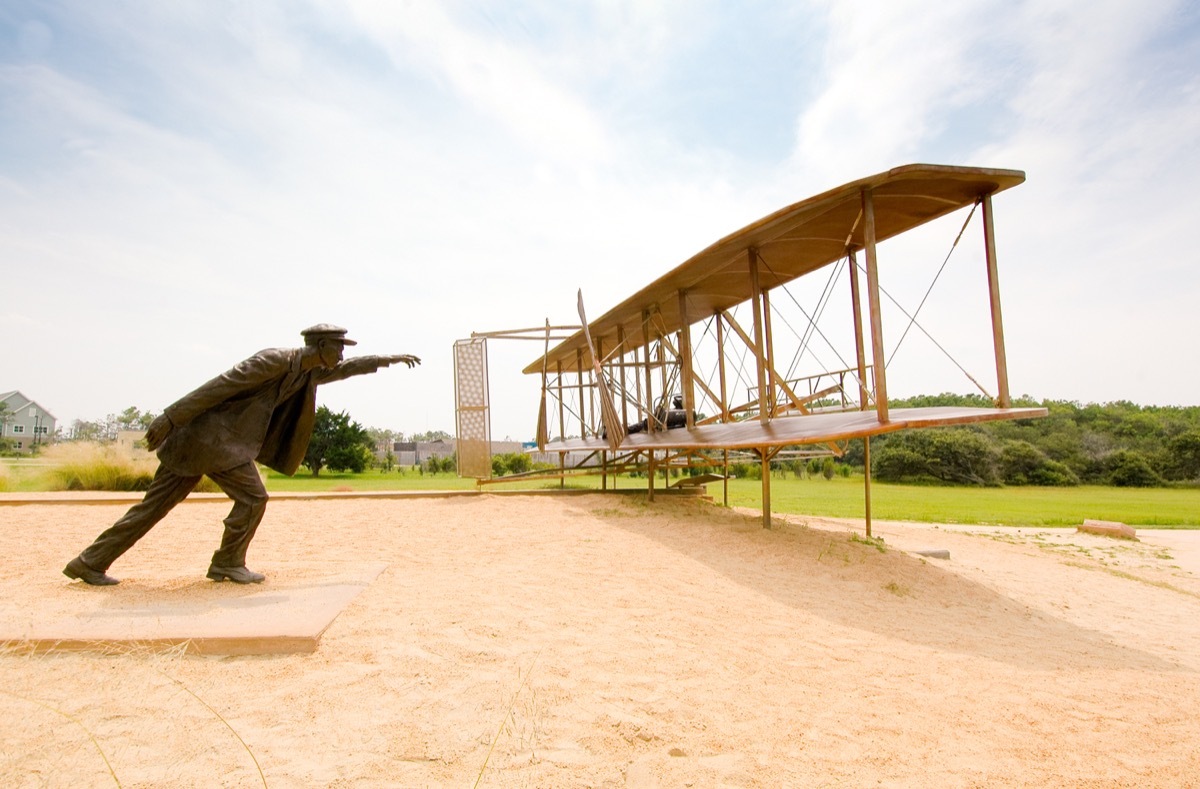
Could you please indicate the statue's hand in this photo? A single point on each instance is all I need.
(403, 358)
(158, 431)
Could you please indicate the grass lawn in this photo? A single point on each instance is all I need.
(839, 497)
(843, 498)
(1009, 506)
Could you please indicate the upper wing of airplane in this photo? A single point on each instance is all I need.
(791, 242)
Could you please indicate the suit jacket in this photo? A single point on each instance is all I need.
(263, 409)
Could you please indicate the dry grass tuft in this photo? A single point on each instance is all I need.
(80, 465)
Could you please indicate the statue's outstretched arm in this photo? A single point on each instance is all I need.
(362, 365)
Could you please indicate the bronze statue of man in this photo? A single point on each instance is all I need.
(261, 410)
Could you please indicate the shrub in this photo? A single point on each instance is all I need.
(894, 464)
(1184, 451)
(961, 456)
(1131, 469)
(511, 463)
(1021, 463)
(742, 470)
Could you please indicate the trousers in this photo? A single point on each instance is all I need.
(241, 483)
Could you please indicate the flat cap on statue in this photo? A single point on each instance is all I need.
(325, 331)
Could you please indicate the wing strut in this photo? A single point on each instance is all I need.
(613, 429)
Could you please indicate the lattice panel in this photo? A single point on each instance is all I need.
(471, 409)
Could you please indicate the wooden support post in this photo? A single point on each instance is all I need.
(867, 480)
(878, 355)
(649, 372)
(856, 306)
(724, 405)
(624, 399)
(725, 481)
(769, 354)
(650, 472)
(637, 381)
(661, 362)
(583, 427)
(686, 373)
(562, 429)
(596, 394)
(764, 453)
(1003, 399)
(760, 359)
(721, 369)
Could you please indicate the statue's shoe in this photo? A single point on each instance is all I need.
(76, 569)
(239, 575)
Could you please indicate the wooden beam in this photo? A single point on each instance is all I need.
(621, 370)
(776, 378)
(769, 349)
(650, 476)
(562, 426)
(759, 355)
(880, 359)
(637, 380)
(582, 414)
(696, 381)
(766, 487)
(856, 306)
(1004, 399)
(686, 374)
(649, 391)
(721, 369)
(600, 391)
(867, 481)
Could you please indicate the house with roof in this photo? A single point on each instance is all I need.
(25, 422)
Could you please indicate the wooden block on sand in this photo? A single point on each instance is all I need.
(1109, 529)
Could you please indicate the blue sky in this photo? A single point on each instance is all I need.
(184, 183)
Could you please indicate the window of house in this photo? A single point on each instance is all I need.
(18, 428)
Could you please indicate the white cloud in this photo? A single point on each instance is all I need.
(233, 173)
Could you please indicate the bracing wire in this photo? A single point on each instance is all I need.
(741, 363)
(812, 322)
(708, 327)
(822, 303)
(913, 318)
(937, 344)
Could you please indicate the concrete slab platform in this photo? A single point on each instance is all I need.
(225, 619)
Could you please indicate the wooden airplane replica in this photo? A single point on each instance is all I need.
(627, 387)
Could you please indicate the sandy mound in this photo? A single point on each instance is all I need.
(600, 641)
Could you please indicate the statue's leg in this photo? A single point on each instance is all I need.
(167, 490)
(244, 485)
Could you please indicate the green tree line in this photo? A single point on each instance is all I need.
(1118, 443)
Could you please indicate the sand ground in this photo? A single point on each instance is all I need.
(602, 641)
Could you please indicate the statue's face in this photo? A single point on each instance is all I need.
(330, 352)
